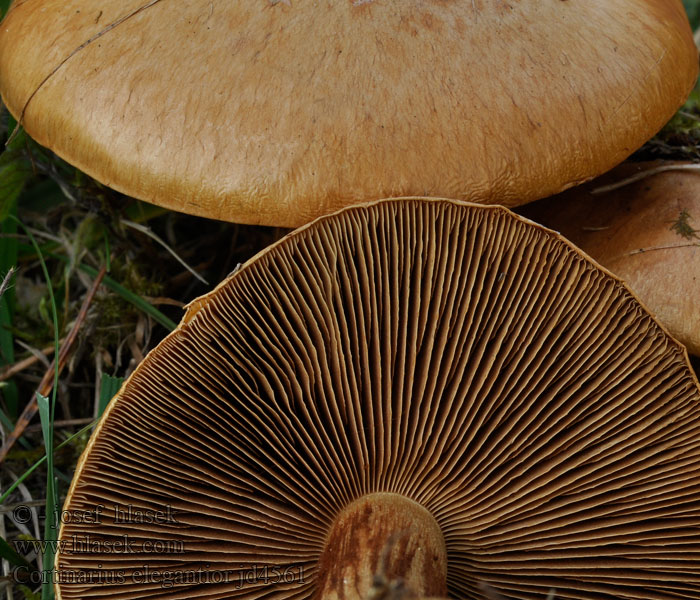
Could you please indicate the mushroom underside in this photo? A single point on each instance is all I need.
(535, 427)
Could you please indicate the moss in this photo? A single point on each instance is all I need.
(683, 228)
(680, 138)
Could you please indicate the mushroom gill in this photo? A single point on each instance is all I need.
(643, 230)
(446, 378)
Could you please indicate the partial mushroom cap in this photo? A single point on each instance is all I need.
(443, 378)
(277, 111)
(646, 232)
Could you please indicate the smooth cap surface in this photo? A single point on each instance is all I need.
(277, 111)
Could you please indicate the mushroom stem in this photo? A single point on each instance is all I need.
(381, 539)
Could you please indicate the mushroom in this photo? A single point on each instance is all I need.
(422, 390)
(276, 111)
(645, 231)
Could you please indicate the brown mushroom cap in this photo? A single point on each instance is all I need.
(645, 233)
(446, 375)
(277, 111)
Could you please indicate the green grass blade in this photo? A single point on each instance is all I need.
(41, 461)
(54, 312)
(8, 259)
(9, 425)
(47, 409)
(7, 354)
(108, 254)
(5, 421)
(692, 7)
(110, 386)
(8, 553)
(50, 525)
(14, 174)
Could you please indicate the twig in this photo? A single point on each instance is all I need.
(180, 278)
(7, 508)
(64, 423)
(651, 248)
(689, 115)
(643, 175)
(98, 384)
(146, 231)
(158, 300)
(36, 353)
(10, 371)
(47, 381)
